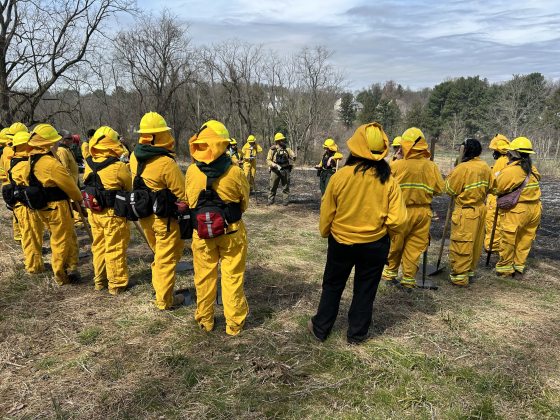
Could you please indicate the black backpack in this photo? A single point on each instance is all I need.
(96, 198)
(142, 202)
(212, 215)
(10, 191)
(36, 196)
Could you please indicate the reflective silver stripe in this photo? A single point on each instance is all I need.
(209, 225)
(132, 205)
(120, 197)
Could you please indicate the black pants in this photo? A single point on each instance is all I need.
(368, 260)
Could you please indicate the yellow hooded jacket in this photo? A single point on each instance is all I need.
(159, 173)
(357, 208)
(67, 159)
(50, 173)
(5, 159)
(512, 176)
(114, 177)
(419, 178)
(470, 182)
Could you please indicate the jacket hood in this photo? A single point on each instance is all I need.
(163, 139)
(207, 146)
(415, 150)
(359, 147)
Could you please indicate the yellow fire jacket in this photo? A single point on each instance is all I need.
(249, 153)
(419, 179)
(50, 173)
(5, 159)
(512, 176)
(470, 182)
(232, 187)
(67, 159)
(159, 173)
(20, 171)
(114, 177)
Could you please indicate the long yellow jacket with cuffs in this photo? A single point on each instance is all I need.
(470, 182)
(357, 207)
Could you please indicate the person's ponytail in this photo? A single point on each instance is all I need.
(381, 168)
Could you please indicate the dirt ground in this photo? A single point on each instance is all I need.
(486, 352)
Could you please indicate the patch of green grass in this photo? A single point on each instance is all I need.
(89, 335)
(47, 363)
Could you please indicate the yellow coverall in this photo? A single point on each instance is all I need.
(85, 150)
(500, 164)
(249, 154)
(518, 226)
(229, 249)
(419, 179)
(236, 158)
(57, 216)
(7, 154)
(159, 173)
(111, 233)
(30, 224)
(468, 184)
(68, 160)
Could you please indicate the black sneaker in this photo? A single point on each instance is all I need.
(74, 277)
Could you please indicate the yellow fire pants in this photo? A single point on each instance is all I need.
(518, 228)
(168, 248)
(16, 228)
(57, 217)
(408, 246)
(111, 235)
(231, 250)
(250, 169)
(490, 212)
(31, 228)
(467, 239)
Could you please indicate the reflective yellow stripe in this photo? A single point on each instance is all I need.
(424, 187)
(532, 185)
(458, 276)
(504, 268)
(476, 185)
(408, 280)
(449, 189)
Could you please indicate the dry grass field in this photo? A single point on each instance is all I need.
(491, 351)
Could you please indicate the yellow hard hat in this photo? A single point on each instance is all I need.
(279, 137)
(251, 139)
(233, 142)
(152, 123)
(521, 145)
(4, 139)
(20, 138)
(396, 141)
(412, 134)
(17, 127)
(499, 143)
(338, 156)
(374, 138)
(328, 143)
(44, 135)
(104, 138)
(210, 142)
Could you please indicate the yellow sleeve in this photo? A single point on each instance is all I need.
(269, 157)
(439, 183)
(124, 177)
(328, 209)
(396, 214)
(245, 190)
(454, 184)
(63, 180)
(509, 179)
(174, 179)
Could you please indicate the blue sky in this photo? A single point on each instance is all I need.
(417, 43)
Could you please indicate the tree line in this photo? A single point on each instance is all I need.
(77, 70)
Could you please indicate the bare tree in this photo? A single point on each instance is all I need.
(40, 42)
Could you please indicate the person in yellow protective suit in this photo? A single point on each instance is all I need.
(29, 222)
(111, 233)
(249, 153)
(499, 146)
(361, 208)
(468, 185)
(397, 154)
(230, 249)
(419, 179)
(59, 187)
(329, 164)
(280, 160)
(84, 148)
(15, 128)
(6, 155)
(66, 157)
(518, 225)
(233, 153)
(155, 152)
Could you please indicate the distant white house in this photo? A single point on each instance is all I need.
(358, 107)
